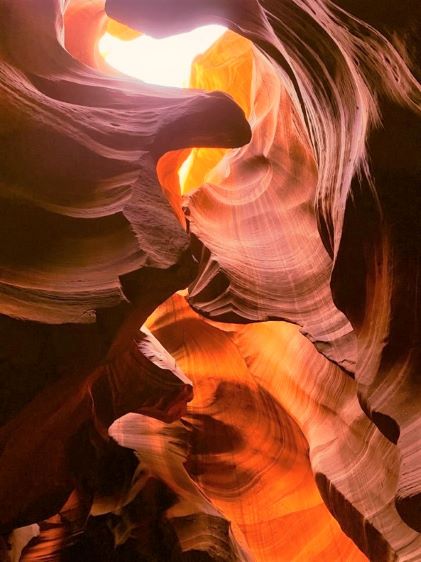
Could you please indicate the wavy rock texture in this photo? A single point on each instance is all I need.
(264, 195)
(263, 397)
(292, 445)
(89, 248)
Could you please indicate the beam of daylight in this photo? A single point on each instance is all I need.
(166, 61)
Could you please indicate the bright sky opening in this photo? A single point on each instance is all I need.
(166, 61)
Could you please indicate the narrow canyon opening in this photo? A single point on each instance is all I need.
(164, 61)
(209, 58)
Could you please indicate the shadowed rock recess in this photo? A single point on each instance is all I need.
(210, 299)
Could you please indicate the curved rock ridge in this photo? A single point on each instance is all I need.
(349, 71)
(270, 253)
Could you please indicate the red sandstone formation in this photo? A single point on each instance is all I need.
(273, 409)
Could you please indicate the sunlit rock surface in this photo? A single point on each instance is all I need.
(273, 410)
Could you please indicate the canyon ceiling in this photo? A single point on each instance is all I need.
(210, 297)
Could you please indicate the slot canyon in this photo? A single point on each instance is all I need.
(210, 281)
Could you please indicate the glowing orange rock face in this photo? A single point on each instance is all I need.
(247, 453)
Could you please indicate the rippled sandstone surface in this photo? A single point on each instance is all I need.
(269, 411)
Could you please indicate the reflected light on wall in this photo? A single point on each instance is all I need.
(166, 61)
